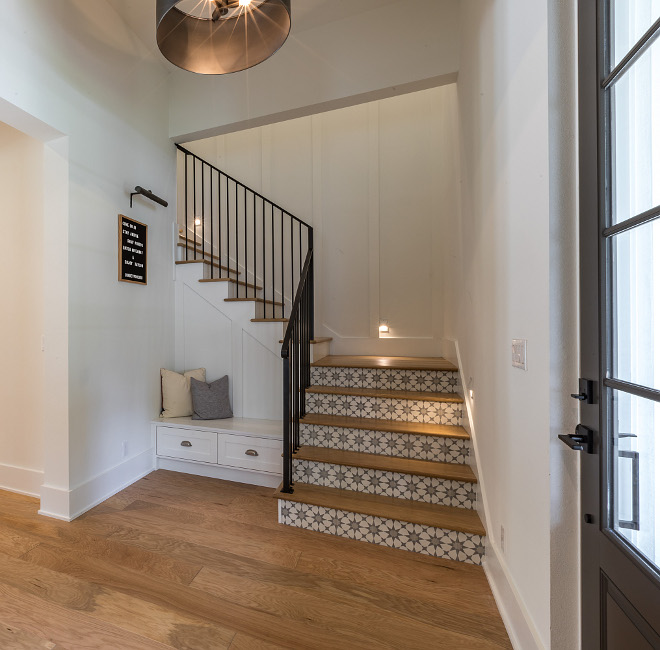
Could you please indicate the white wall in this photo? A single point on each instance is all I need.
(221, 337)
(80, 71)
(517, 278)
(397, 47)
(22, 320)
(504, 280)
(378, 183)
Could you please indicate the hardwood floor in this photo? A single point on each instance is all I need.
(179, 561)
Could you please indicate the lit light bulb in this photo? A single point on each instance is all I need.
(384, 328)
(198, 222)
(244, 3)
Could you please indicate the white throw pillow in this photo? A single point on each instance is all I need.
(177, 400)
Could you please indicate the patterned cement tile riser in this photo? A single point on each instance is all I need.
(427, 489)
(386, 443)
(402, 410)
(437, 542)
(385, 378)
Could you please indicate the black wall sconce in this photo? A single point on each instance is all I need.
(221, 36)
(148, 194)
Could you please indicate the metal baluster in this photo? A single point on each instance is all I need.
(203, 217)
(245, 263)
(227, 218)
(187, 200)
(287, 478)
(263, 247)
(211, 213)
(272, 258)
(194, 208)
(291, 238)
(254, 243)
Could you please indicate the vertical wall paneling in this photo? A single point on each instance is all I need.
(378, 182)
(374, 219)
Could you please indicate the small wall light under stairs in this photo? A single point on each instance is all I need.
(221, 36)
(383, 329)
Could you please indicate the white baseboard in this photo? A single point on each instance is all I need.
(21, 480)
(216, 471)
(519, 624)
(69, 504)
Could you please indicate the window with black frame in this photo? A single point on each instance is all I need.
(631, 96)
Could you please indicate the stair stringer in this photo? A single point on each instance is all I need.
(220, 336)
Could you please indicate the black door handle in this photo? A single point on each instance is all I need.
(581, 440)
(586, 393)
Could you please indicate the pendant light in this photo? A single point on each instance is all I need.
(221, 36)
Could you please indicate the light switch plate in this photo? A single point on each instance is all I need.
(519, 353)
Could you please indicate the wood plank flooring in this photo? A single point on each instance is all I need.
(399, 363)
(372, 424)
(179, 561)
(451, 471)
(386, 394)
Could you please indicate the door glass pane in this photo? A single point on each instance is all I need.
(630, 20)
(636, 304)
(636, 137)
(636, 469)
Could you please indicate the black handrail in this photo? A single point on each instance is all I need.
(296, 370)
(244, 225)
(227, 210)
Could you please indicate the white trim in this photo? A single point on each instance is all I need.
(97, 489)
(250, 477)
(20, 480)
(516, 618)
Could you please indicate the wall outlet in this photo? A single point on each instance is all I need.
(502, 537)
(519, 353)
(124, 449)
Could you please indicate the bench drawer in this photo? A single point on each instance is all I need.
(246, 452)
(187, 444)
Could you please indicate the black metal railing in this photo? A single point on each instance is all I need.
(296, 357)
(244, 237)
(248, 240)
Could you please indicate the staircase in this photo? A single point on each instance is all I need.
(382, 457)
(373, 447)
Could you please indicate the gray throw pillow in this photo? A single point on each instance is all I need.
(210, 401)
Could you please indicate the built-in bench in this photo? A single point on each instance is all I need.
(236, 449)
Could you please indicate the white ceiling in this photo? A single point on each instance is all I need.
(140, 15)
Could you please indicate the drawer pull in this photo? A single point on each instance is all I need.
(186, 443)
(251, 452)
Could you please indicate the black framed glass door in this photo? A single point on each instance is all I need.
(619, 97)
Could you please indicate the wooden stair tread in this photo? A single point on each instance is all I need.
(233, 281)
(269, 320)
(261, 300)
(397, 363)
(387, 394)
(321, 339)
(209, 263)
(450, 471)
(395, 426)
(198, 249)
(416, 512)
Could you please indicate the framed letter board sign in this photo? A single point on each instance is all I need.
(132, 250)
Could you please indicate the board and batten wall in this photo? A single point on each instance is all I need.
(377, 182)
(22, 319)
